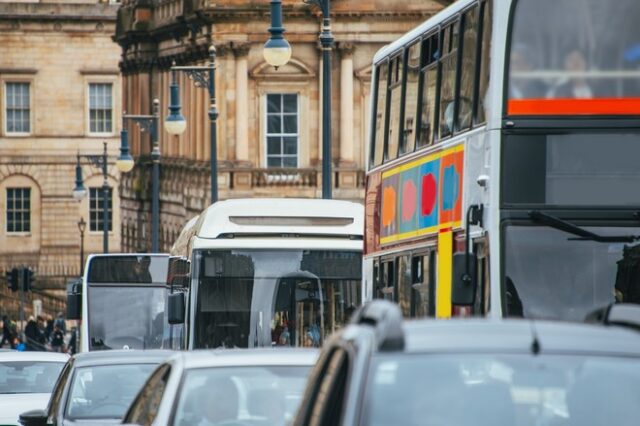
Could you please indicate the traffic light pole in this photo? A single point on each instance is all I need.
(21, 290)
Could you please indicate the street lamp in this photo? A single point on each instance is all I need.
(326, 41)
(79, 192)
(204, 77)
(82, 225)
(277, 50)
(146, 123)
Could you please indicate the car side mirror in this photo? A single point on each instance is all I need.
(464, 280)
(34, 418)
(176, 308)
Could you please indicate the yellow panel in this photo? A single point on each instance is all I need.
(445, 267)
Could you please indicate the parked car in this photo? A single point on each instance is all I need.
(227, 387)
(97, 387)
(382, 371)
(26, 381)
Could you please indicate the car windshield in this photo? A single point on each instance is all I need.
(240, 395)
(28, 376)
(551, 274)
(496, 390)
(251, 298)
(126, 317)
(105, 392)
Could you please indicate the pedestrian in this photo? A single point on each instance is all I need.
(57, 339)
(49, 328)
(73, 341)
(6, 333)
(31, 334)
(60, 321)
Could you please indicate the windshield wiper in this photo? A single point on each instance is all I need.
(583, 234)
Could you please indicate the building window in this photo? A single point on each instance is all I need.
(17, 101)
(282, 130)
(100, 108)
(96, 198)
(18, 209)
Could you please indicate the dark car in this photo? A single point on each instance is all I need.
(382, 371)
(97, 387)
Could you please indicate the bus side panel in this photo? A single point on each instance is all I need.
(372, 213)
(445, 273)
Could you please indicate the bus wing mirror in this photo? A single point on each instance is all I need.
(74, 300)
(464, 280)
(176, 308)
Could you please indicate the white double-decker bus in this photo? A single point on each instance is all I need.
(269, 272)
(503, 161)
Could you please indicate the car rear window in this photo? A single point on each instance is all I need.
(28, 376)
(507, 390)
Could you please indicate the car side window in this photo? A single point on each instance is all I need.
(328, 405)
(145, 406)
(58, 390)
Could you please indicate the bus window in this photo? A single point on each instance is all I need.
(448, 80)
(423, 294)
(381, 102)
(411, 98)
(430, 55)
(386, 285)
(485, 50)
(576, 66)
(468, 68)
(404, 284)
(395, 101)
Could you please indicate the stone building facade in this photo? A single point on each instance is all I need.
(60, 94)
(269, 129)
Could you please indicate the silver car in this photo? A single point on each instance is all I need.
(224, 387)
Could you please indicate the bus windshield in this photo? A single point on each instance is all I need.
(126, 317)
(551, 274)
(574, 50)
(252, 298)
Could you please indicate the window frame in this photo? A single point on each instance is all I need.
(29, 211)
(402, 147)
(88, 84)
(281, 134)
(478, 6)
(98, 231)
(5, 83)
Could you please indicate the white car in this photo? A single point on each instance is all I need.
(241, 387)
(26, 381)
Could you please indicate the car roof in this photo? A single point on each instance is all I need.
(33, 356)
(110, 357)
(478, 335)
(247, 357)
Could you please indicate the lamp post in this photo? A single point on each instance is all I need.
(149, 123)
(274, 52)
(277, 50)
(82, 225)
(124, 164)
(205, 78)
(326, 41)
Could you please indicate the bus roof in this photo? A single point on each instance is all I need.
(415, 33)
(273, 216)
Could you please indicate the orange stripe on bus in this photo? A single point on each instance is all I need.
(606, 106)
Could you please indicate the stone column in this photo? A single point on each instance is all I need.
(241, 52)
(346, 103)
